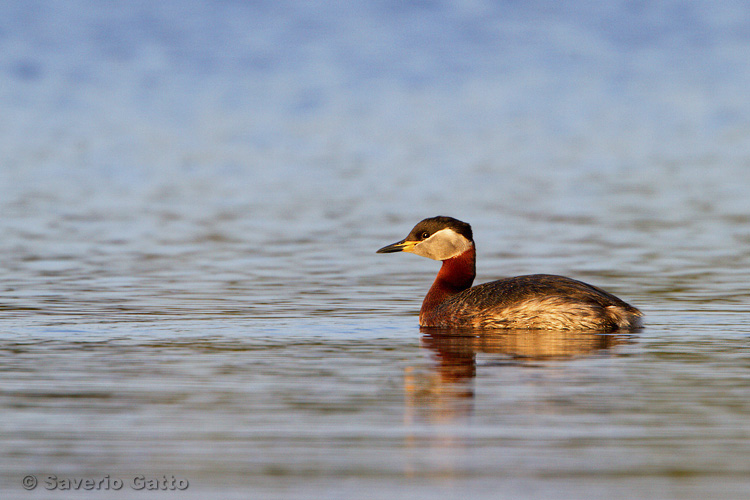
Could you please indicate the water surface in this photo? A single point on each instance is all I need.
(191, 195)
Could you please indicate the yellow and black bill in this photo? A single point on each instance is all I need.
(401, 246)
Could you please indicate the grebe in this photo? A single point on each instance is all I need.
(538, 301)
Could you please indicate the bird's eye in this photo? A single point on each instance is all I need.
(425, 235)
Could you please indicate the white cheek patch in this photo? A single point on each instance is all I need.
(442, 245)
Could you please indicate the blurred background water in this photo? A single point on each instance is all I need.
(191, 194)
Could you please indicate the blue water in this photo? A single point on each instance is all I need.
(191, 194)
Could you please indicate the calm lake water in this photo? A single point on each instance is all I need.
(192, 193)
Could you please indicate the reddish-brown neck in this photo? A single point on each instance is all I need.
(456, 275)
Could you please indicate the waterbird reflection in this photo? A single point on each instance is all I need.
(448, 391)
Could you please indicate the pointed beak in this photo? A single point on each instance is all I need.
(401, 246)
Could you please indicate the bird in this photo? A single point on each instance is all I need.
(537, 301)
